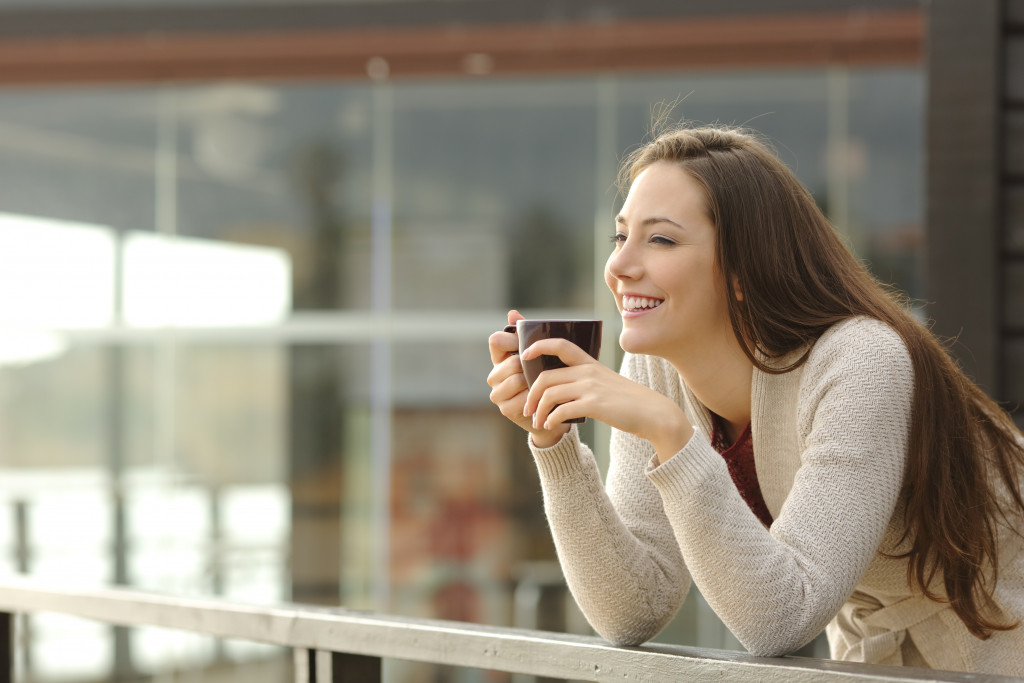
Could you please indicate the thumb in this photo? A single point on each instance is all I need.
(515, 315)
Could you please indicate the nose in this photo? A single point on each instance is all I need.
(624, 263)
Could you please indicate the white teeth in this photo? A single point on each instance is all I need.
(636, 303)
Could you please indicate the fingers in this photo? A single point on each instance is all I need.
(556, 396)
(502, 344)
(555, 407)
(509, 391)
(567, 352)
(510, 367)
(510, 395)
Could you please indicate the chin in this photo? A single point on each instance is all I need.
(630, 343)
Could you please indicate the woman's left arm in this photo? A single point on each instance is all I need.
(776, 589)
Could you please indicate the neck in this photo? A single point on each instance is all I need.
(720, 376)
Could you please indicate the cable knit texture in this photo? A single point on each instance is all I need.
(830, 441)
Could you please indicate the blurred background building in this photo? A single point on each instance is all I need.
(251, 251)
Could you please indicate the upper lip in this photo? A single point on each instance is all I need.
(639, 296)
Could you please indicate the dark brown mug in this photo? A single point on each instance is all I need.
(585, 334)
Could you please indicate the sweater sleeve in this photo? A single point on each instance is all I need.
(776, 589)
(616, 546)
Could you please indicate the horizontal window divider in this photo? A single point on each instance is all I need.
(309, 328)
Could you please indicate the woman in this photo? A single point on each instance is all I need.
(785, 434)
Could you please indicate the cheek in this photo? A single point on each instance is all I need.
(699, 286)
(719, 297)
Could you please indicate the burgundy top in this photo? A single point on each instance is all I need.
(740, 459)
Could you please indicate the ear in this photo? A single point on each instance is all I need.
(736, 289)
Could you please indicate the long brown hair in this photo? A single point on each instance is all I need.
(798, 279)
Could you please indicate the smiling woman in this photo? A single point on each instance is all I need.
(665, 251)
(785, 434)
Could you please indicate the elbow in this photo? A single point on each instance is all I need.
(625, 642)
(774, 644)
(632, 618)
(771, 650)
(625, 638)
(789, 631)
(628, 632)
(635, 630)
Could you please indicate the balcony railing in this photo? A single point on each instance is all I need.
(334, 644)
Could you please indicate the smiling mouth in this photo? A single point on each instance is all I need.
(639, 303)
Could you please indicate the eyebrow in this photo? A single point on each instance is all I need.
(650, 221)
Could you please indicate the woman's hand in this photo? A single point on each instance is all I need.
(508, 386)
(587, 388)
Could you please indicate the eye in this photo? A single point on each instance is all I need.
(618, 238)
(663, 241)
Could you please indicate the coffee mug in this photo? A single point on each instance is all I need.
(585, 334)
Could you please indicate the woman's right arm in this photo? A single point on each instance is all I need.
(615, 544)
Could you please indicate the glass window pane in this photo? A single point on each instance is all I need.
(55, 412)
(287, 167)
(854, 139)
(95, 166)
(885, 170)
(789, 108)
(494, 194)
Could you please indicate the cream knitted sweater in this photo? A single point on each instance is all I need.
(830, 440)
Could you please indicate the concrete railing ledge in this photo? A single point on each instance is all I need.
(337, 644)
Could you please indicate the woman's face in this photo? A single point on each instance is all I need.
(663, 270)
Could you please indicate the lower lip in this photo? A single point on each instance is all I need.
(636, 314)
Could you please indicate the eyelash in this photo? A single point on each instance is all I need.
(660, 240)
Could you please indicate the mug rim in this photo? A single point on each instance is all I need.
(559, 320)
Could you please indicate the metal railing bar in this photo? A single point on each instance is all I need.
(300, 664)
(442, 642)
(304, 665)
(6, 647)
(349, 668)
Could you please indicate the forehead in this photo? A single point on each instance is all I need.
(665, 187)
